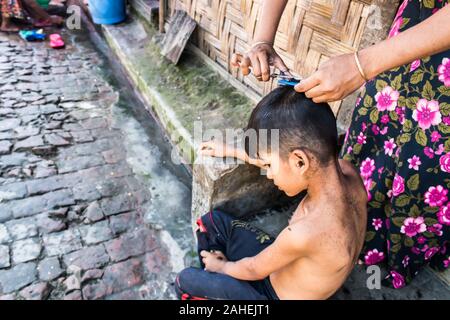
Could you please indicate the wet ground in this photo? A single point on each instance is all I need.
(91, 205)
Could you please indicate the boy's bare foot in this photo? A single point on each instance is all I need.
(8, 26)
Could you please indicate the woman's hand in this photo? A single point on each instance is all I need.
(216, 149)
(214, 261)
(334, 80)
(259, 59)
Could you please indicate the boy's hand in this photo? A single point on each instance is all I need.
(214, 261)
(217, 149)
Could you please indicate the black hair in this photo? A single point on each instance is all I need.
(302, 123)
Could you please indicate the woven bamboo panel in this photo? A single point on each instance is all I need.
(310, 32)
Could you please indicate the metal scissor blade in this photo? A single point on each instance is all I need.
(285, 80)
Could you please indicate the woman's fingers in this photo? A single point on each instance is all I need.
(321, 99)
(245, 65)
(315, 92)
(259, 64)
(236, 60)
(280, 65)
(256, 66)
(318, 94)
(308, 83)
(242, 62)
(265, 68)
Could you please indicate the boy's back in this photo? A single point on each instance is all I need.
(332, 230)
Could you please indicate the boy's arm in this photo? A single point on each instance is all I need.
(217, 149)
(290, 245)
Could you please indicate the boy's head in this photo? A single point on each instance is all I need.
(306, 140)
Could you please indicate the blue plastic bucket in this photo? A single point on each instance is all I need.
(107, 11)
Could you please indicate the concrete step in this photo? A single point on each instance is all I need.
(147, 9)
(182, 96)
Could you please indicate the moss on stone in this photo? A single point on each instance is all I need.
(179, 94)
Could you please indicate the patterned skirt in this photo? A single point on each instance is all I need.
(399, 139)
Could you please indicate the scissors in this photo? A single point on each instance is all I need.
(285, 80)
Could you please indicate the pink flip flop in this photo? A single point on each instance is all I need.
(56, 41)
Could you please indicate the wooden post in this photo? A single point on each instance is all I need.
(162, 14)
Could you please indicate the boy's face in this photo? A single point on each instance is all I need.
(289, 175)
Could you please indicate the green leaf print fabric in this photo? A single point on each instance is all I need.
(399, 140)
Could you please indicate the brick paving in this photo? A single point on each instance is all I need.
(71, 217)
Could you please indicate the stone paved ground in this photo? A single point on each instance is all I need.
(70, 206)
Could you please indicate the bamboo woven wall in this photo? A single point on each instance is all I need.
(310, 31)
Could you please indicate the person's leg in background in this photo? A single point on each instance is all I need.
(40, 16)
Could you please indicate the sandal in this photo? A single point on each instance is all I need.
(32, 35)
(56, 41)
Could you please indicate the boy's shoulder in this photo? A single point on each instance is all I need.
(348, 168)
(310, 226)
(354, 180)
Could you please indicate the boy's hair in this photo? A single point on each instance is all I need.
(302, 123)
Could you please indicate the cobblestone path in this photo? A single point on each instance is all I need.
(72, 209)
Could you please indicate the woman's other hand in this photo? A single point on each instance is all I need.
(258, 61)
(334, 80)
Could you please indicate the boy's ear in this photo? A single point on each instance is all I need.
(299, 160)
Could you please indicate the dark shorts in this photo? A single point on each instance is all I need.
(237, 240)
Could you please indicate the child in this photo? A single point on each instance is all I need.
(314, 254)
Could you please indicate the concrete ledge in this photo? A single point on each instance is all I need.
(147, 9)
(178, 95)
(240, 190)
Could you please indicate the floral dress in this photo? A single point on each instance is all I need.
(399, 139)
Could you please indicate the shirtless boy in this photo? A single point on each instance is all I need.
(315, 253)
